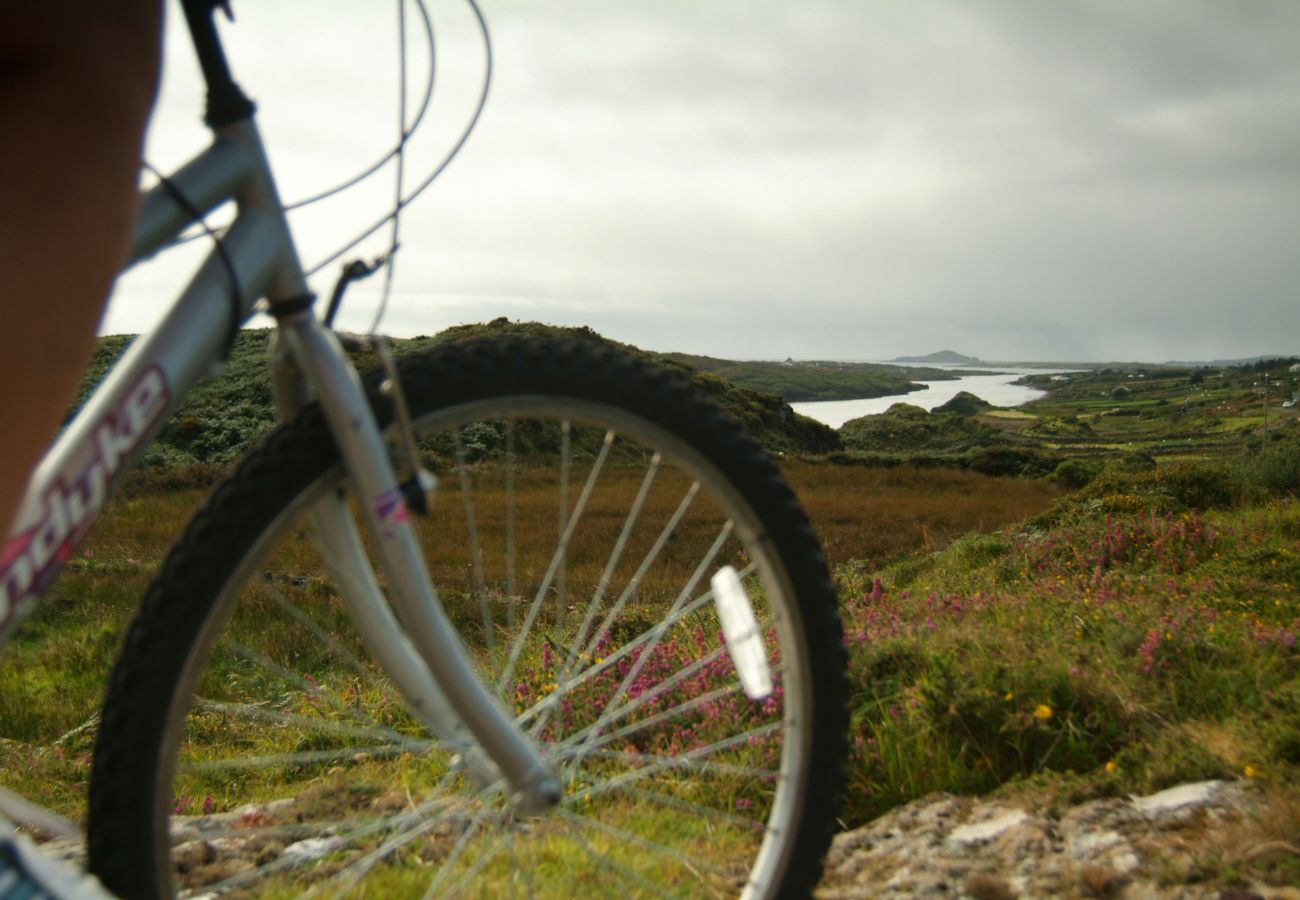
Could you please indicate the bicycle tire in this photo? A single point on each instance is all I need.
(209, 665)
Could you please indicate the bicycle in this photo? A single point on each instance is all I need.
(597, 648)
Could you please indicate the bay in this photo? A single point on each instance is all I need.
(995, 386)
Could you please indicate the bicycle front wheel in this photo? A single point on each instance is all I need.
(627, 571)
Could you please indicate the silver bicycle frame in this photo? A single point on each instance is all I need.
(72, 482)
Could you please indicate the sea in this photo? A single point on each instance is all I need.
(995, 386)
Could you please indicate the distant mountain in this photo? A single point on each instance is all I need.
(943, 357)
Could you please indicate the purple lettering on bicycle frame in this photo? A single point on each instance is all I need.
(390, 509)
(33, 556)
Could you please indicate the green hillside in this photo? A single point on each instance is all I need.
(800, 382)
(225, 415)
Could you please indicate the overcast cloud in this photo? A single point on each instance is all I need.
(849, 180)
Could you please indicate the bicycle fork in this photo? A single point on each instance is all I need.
(425, 657)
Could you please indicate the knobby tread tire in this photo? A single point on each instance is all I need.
(175, 607)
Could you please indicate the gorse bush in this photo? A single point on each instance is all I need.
(1171, 488)
(1076, 473)
(1274, 472)
(1106, 489)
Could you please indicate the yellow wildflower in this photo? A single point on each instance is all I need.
(1009, 697)
(1043, 711)
(1110, 767)
(1249, 771)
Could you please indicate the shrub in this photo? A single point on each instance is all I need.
(1196, 486)
(1011, 461)
(1274, 472)
(1076, 473)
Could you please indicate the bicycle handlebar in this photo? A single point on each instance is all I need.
(226, 102)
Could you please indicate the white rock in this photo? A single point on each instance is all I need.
(980, 832)
(311, 848)
(1088, 844)
(1196, 794)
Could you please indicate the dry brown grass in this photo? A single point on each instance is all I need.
(879, 515)
(872, 514)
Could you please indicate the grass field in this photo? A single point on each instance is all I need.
(54, 670)
(1003, 636)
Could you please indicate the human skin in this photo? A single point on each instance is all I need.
(77, 83)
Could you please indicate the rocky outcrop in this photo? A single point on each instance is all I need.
(1138, 848)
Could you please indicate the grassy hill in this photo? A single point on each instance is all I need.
(799, 382)
(226, 415)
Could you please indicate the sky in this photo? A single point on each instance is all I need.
(851, 180)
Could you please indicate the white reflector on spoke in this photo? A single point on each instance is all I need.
(740, 630)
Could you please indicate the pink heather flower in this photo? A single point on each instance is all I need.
(877, 590)
(1148, 650)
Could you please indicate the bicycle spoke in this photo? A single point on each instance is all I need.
(475, 549)
(615, 657)
(598, 595)
(594, 738)
(690, 705)
(651, 555)
(615, 556)
(660, 629)
(512, 587)
(322, 635)
(557, 560)
(695, 809)
(695, 864)
(604, 861)
(340, 838)
(484, 857)
(325, 726)
(457, 851)
(633, 758)
(357, 870)
(300, 758)
(566, 451)
(685, 760)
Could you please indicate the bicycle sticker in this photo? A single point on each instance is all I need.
(64, 515)
(390, 510)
